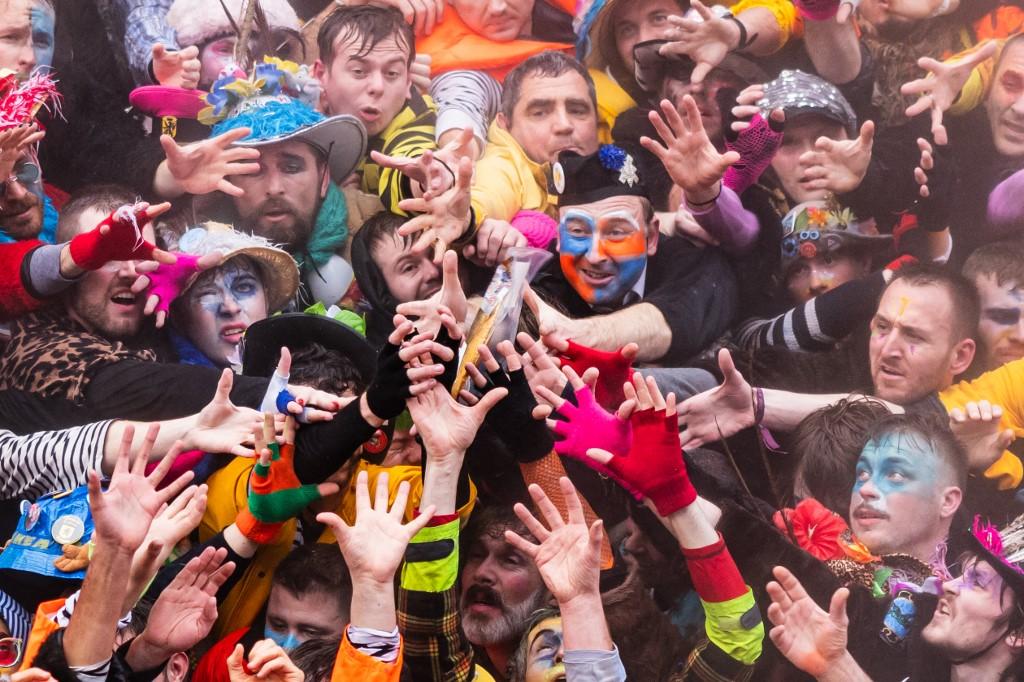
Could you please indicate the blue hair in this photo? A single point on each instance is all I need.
(271, 120)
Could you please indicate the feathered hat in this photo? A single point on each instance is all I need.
(276, 103)
(20, 102)
(1002, 549)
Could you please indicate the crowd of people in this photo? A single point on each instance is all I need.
(511, 340)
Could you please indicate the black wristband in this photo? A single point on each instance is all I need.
(512, 421)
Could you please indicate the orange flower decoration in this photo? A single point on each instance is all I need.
(814, 528)
(817, 217)
(855, 549)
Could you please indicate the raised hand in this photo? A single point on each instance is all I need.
(450, 300)
(755, 138)
(691, 160)
(222, 426)
(395, 380)
(541, 369)
(838, 165)
(375, 545)
(426, 170)
(977, 427)
(939, 89)
(423, 15)
(13, 143)
(164, 282)
(719, 412)
(177, 68)
(276, 495)
(448, 428)
(707, 41)
(813, 640)
(419, 72)
(186, 609)
(204, 167)
(586, 424)
(568, 555)
(118, 237)
(267, 662)
(445, 216)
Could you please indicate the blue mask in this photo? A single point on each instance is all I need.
(286, 641)
(42, 36)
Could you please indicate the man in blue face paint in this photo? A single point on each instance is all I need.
(908, 485)
(617, 279)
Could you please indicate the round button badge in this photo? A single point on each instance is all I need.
(67, 529)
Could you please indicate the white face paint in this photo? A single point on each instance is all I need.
(221, 305)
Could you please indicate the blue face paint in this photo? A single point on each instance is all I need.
(611, 249)
(286, 641)
(42, 35)
(221, 306)
(897, 463)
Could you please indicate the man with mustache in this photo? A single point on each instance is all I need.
(617, 279)
(975, 631)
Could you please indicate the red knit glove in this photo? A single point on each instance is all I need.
(614, 367)
(898, 263)
(117, 238)
(655, 465)
(276, 496)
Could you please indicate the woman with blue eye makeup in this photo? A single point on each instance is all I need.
(213, 311)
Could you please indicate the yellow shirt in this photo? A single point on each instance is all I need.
(1004, 387)
(506, 181)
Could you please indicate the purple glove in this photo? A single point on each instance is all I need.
(817, 10)
(587, 425)
(168, 280)
(756, 146)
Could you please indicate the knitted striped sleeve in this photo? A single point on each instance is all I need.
(38, 463)
(820, 322)
(465, 99)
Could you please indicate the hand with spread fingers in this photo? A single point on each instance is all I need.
(977, 426)
(654, 465)
(813, 640)
(566, 551)
(450, 299)
(222, 426)
(205, 166)
(838, 165)
(615, 367)
(118, 237)
(13, 143)
(163, 282)
(706, 40)
(512, 419)
(447, 427)
(492, 243)
(691, 160)
(444, 216)
(186, 609)
(719, 412)
(939, 89)
(540, 367)
(122, 515)
(374, 545)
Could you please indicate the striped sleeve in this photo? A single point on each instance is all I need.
(38, 463)
(465, 99)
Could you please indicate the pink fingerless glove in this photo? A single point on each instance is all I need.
(817, 10)
(615, 370)
(588, 426)
(655, 463)
(92, 250)
(167, 281)
(756, 146)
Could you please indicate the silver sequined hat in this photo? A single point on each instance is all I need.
(799, 93)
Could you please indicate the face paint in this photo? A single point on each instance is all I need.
(42, 35)
(222, 305)
(286, 640)
(544, 652)
(904, 302)
(602, 258)
(897, 494)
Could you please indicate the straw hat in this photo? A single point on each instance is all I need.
(279, 273)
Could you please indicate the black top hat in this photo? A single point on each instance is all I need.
(263, 340)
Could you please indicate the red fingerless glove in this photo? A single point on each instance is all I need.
(615, 370)
(655, 464)
(92, 250)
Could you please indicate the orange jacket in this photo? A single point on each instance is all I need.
(453, 45)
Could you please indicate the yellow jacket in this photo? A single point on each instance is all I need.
(1004, 387)
(229, 493)
(506, 181)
